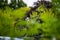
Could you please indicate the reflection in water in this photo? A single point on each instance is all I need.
(9, 38)
(17, 39)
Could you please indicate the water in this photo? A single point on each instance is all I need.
(9, 38)
(17, 39)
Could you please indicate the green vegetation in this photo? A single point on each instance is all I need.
(12, 22)
(8, 18)
(13, 4)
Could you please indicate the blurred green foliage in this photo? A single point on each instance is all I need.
(8, 19)
(12, 22)
(13, 4)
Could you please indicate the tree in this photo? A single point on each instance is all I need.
(35, 21)
(21, 3)
(8, 18)
(17, 4)
(14, 4)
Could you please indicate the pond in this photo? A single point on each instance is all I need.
(9, 38)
